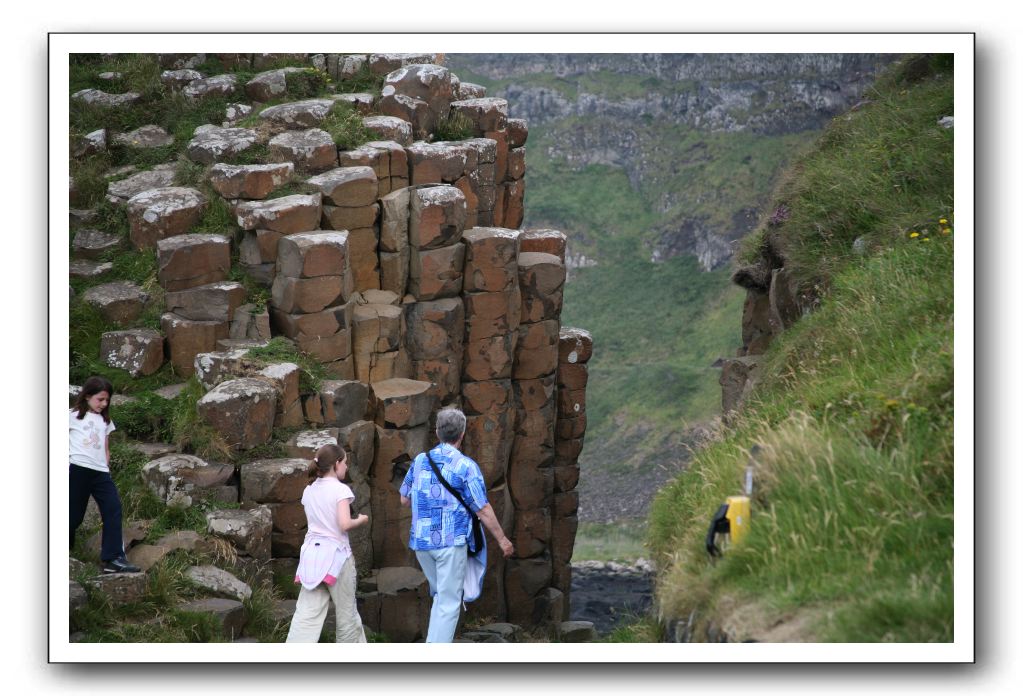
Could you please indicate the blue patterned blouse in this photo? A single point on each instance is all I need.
(438, 519)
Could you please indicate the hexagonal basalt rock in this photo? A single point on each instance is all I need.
(574, 345)
(121, 588)
(144, 137)
(436, 273)
(402, 403)
(121, 302)
(177, 79)
(229, 614)
(390, 128)
(518, 131)
(542, 280)
(89, 144)
(360, 101)
(219, 582)
(248, 530)
(241, 411)
(349, 187)
(269, 85)
(343, 402)
(251, 181)
(186, 338)
(436, 216)
(274, 480)
(164, 212)
(211, 143)
(175, 478)
(470, 90)
(287, 215)
(91, 244)
(97, 97)
(160, 177)
(219, 85)
(491, 259)
(188, 261)
(313, 254)
(139, 351)
(307, 113)
(211, 302)
(486, 114)
(303, 445)
(312, 150)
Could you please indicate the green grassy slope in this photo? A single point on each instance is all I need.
(851, 536)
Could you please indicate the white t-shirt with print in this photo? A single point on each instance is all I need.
(88, 438)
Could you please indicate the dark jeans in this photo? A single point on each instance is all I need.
(98, 484)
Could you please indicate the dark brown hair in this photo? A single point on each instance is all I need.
(94, 385)
(324, 461)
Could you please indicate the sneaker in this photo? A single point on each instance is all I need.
(120, 565)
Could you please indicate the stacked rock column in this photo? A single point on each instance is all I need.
(492, 309)
(501, 203)
(531, 476)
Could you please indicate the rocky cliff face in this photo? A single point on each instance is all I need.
(647, 114)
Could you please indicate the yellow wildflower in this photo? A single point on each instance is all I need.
(914, 235)
(946, 230)
(927, 239)
(943, 221)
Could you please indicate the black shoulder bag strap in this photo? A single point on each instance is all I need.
(477, 528)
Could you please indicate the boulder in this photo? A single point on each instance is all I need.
(518, 131)
(229, 614)
(435, 163)
(349, 187)
(145, 556)
(121, 588)
(542, 281)
(161, 213)
(298, 115)
(390, 128)
(92, 244)
(247, 530)
(273, 480)
(97, 97)
(249, 181)
(119, 303)
(144, 137)
(311, 150)
(210, 302)
(235, 112)
(304, 444)
(269, 85)
(153, 450)
(491, 259)
(211, 144)
(160, 177)
(577, 632)
(408, 87)
(186, 338)
(218, 85)
(139, 351)
(574, 345)
(82, 268)
(313, 254)
(470, 90)
(89, 144)
(188, 261)
(486, 114)
(187, 539)
(286, 215)
(178, 79)
(219, 582)
(402, 403)
(241, 411)
(360, 101)
(436, 217)
(176, 478)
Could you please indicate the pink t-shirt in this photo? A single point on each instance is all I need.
(320, 500)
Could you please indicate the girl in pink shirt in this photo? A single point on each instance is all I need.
(326, 568)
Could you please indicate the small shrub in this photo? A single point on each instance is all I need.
(345, 126)
(454, 126)
(190, 433)
(280, 349)
(308, 83)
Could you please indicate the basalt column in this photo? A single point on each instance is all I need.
(493, 305)
(530, 474)
(574, 349)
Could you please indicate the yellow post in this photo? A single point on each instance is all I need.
(738, 517)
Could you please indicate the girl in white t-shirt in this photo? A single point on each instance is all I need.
(326, 568)
(89, 428)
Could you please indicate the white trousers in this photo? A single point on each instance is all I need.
(445, 569)
(311, 610)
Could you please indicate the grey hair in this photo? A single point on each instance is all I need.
(450, 425)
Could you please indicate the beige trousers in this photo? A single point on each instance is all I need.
(311, 610)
